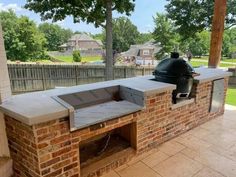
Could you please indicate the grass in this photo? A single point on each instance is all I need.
(229, 60)
(44, 61)
(69, 58)
(231, 96)
(199, 63)
(224, 59)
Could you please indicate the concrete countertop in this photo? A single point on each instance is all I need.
(209, 74)
(38, 107)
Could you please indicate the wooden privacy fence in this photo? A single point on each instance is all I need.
(36, 77)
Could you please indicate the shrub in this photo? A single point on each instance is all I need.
(76, 56)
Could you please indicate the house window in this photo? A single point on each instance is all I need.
(146, 52)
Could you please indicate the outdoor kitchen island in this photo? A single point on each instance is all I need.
(90, 129)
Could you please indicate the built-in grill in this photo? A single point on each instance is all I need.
(176, 71)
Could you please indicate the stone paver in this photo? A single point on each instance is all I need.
(155, 158)
(138, 169)
(207, 172)
(206, 151)
(178, 166)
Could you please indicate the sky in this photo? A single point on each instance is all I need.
(142, 16)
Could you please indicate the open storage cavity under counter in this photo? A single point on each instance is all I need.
(100, 150)
(95, 106)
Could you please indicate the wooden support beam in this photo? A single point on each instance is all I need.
(5, 89)
(217, 33)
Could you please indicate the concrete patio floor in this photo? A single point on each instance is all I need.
(206, 151)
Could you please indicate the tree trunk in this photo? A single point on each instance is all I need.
(217, 33)
(109, 51)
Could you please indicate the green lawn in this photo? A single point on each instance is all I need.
(231, 96)
(44, 61)
(69, 59)
(229, 60)
(224, 59)
(199, 63)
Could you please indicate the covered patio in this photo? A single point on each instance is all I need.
(206, 151)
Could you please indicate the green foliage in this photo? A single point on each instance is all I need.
(99, 36)
(229, 42)
(55, 35)
(200, 44)
(124, 32)
(143, 38)
(226, 45)
(164, 33)
(23, 41)
(90, 11)
(76, 56)
(193, 16)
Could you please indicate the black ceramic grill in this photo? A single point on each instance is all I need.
(176, 71)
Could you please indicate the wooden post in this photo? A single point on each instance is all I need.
(217, 33)
(5, 88)
(5, 93)
(43, 78)
(125, 72)
(77, 74)
(143, 71)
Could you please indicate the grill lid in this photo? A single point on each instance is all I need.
(174, 67)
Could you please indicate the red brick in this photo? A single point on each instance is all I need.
(42, 131)
(50, 162)
(47, 137)
(61, 164)
(152, 101)
(46, 171)
(55, 173)
(61, 151)
(69, 155)
(70, 166)
(42, 145)
(45, 158)
(60, 139)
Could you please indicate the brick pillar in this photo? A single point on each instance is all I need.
(5, 92)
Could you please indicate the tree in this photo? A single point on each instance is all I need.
(144, 37)
(98, 12)
(164, 33)
(55, 35)
(22, 39)
(232, 39)
(76, 56)
(99, 36)
(125, 33)
(192, 16)
(199, 45)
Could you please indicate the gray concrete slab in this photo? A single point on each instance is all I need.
(102, 112)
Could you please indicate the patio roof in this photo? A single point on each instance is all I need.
(206, 151)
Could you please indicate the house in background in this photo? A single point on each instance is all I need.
(142, 54)
(84, 43)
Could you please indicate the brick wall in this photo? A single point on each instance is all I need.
(50, 149)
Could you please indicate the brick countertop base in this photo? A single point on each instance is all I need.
(50, 149)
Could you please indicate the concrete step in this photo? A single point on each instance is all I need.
(6, 167)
